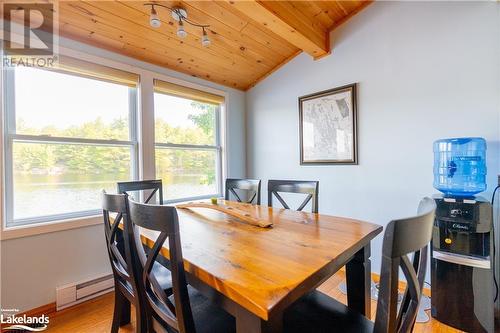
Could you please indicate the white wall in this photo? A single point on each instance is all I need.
(424, 70)
(32, 267)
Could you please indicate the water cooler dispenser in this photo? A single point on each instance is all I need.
(462, 251)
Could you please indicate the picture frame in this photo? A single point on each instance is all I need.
(328, 126)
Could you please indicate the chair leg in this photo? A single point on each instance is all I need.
(141, 319)
(121, 314)
(148, 320)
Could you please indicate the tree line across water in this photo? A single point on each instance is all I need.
(79, 159)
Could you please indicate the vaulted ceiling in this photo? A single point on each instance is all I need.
(249, 39)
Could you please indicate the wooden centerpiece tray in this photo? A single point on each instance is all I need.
(230, 210)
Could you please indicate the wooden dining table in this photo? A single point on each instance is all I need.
(255, 273)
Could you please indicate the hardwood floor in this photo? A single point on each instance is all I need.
(95, 316)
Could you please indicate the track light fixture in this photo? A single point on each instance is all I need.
(205, 41)
(154, 20)
(180, 30)
(180, 15)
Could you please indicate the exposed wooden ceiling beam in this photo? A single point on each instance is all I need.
(286, 20)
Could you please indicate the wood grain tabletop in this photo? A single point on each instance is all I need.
(260, 268)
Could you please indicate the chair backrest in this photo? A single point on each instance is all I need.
(163, 219)
(120, 249)
(249, 185)
(143, 185)
(310, 188)
(403, 237)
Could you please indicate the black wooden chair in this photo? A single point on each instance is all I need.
(155, 186)
(186, 310)
(251, 186)
(122, 251)
(120, 254)
(150, 189)
(310, 188)
(317, 312)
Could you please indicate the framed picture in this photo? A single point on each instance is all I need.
(328, 133)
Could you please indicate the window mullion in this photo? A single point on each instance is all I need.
(132, 116)
(218, 166)
(185, 146)
(10, 103)
(9, 181)
(146, 127)
(54, 217)
(9, 128)
(62, 140)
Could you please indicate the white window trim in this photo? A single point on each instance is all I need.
(145, 138)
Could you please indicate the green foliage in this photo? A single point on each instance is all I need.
(73, 158)
(205, 120)
(86, 159)
(170, 162)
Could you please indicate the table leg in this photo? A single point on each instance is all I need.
(247, 322)
(358, 278)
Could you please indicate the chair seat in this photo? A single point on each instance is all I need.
(208, 318)
(319, 313)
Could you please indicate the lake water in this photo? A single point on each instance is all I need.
(41, 195)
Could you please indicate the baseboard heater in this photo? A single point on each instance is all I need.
(75, 293)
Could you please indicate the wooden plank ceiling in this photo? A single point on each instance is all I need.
(249, 39)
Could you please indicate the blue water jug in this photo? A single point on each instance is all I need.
(460, 166)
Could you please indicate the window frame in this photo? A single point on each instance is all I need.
(217, 148)
(144, 127)
(10, 137)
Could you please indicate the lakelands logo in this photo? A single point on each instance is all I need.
(24, 322)
(30, 34)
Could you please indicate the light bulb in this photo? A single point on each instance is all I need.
(180, 30)
(205, 41)
(154, 20)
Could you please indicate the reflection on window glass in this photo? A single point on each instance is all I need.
(184, 121)
(56, 104)
(54, 179)
(186, 173)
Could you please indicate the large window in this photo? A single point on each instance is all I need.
(70, 132)
(187, 142)
(68, 135)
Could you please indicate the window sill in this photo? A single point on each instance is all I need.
(73, 223)
(48, 227)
